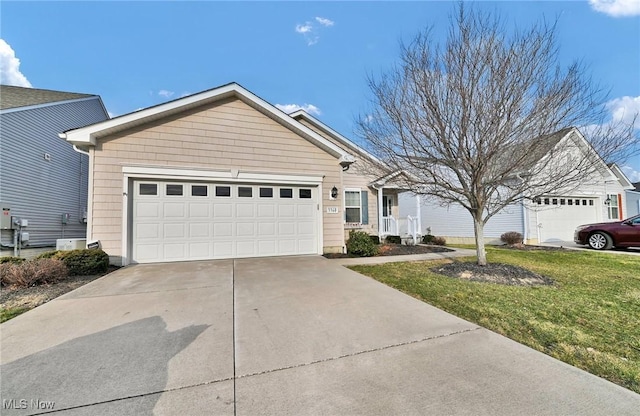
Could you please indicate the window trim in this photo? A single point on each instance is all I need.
(613, 204)
(345, 206)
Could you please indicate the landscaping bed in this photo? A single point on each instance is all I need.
(586, 318)
(395, 250)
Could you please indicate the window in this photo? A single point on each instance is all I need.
(245, 191)
(554, 201)
(546, 201)
(539, 201)
(591, 202)
(577, 201)
(584, 202)
(148, 189)
(570, 201)
(562, 201)
(266, 192)
(174, 190)
(286, 193)
(352, 206)
(223, 191)
(305, 193)
(198, 190)
(613, 209)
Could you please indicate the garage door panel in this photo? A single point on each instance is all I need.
(174, 210)
(557, 222)
(227, 224)
(222, 230)
(147, 231)
(222, 210)
(148, 209)
(200, 230)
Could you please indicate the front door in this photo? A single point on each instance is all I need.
(387, 204)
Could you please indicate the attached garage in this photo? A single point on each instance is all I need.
(177, 221)
(558, 216)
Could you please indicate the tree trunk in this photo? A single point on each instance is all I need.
(479, 231)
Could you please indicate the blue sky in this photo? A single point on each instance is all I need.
(314, 55)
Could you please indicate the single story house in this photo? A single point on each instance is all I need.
(43, 180)
(225, 174)
(548, 219)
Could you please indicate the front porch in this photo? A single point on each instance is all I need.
(409, 228)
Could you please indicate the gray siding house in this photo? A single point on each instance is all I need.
(42, 178)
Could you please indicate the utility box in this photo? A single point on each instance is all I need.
(5, 216)
(24, 238)
(71, 243)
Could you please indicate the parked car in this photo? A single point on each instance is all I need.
(603, 236)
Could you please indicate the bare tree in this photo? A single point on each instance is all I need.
(485, 119)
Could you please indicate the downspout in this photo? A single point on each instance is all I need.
(525, 222)
(77, 149)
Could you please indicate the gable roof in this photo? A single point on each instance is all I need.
(622, 178)
(15, 97)
(348, 144)
(89, 135)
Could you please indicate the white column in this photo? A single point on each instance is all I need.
(418, 214)
(380, 211)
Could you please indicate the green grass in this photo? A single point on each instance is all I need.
(590, 318)
(6, 314)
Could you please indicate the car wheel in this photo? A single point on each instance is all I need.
(600, 241)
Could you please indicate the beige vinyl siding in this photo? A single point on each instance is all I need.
(355, 177)
(228, 135)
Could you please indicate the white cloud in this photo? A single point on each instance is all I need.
(616, 8)
(310, 30)
(10, 67)
(306, 28)
(165, 93)
(324, 22)
(290, 108)
(625, 109)
(632, 174)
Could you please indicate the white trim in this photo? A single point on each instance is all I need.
(89, 232)
(321, 221)
(88, 135)
(124, 252)
(337, 136)
(344, 203)
(231, 176)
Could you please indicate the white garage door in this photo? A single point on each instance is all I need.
(175, 221)
(558, 217)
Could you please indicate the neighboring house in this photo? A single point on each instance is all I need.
(633, 200)
(223, 174)
(551, 218)
(42, 179)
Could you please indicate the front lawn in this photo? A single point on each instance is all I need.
(589, 318)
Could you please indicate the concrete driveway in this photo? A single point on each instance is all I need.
(286, 336)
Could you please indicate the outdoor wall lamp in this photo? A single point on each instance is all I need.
(334, 193)
(607, 201)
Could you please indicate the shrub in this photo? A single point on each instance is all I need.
(11, 259)
(48, 254)
(439, 241)
(361, 244)
(375, 239)
(393, 239)
(511, 238)
(427, 239)
(32, 272)
(84, 262)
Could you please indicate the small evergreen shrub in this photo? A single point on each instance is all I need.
(375, 239)
(361, 244)
(48, 254)
(32, 272)
(393, 239)
(84, 262)
(11, 259)
(427, 239)
(511, 238)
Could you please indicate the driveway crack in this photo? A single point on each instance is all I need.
(354, 354)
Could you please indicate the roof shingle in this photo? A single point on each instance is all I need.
(14, 97)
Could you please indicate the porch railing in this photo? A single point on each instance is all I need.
(413, 228)
(389, 226)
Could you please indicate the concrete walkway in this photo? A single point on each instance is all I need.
(285, 336)
(458, 252)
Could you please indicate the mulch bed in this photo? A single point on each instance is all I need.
(504, 274)
(523, 247)
(396, 250)
(30, 297)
